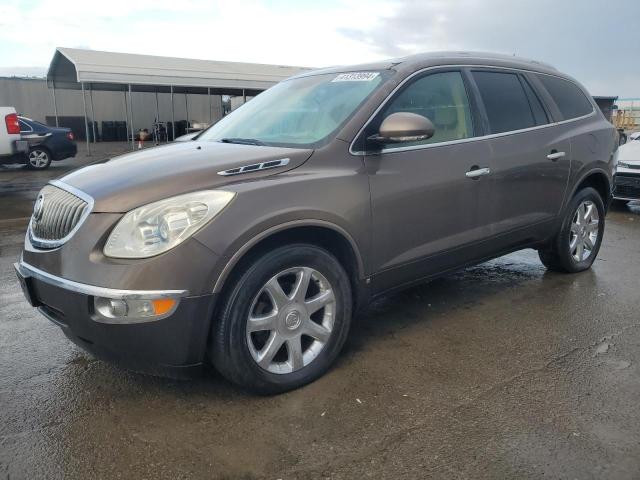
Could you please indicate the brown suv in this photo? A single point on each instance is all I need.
(252, 246)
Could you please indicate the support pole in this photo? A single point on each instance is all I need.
(86, 126)
(186, 105)
(244, 97)
(55, 104)
(93, 114)
(209, 98)
(173, 118)
(133, 141)
(126, 112)
(156, 127)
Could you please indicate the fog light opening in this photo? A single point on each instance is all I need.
(131, 309)
(118, 308)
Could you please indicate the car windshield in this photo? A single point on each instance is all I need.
(303, 111)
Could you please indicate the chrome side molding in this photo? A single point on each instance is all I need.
(27, 270)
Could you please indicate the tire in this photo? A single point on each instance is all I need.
(623, 139)
(38, 158)
(562, 254)
(246, 351)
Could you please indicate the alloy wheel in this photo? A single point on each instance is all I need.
(584, 231)
(290, 320)
(38, 158)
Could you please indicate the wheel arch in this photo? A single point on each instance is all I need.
(598, 180)
(41, 146)
(324, 234)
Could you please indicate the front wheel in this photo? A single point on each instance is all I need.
(38, 159)
(283, 321)
(576, 245)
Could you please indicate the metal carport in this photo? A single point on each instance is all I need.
(80, 69)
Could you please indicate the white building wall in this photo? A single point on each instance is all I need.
(32, 98)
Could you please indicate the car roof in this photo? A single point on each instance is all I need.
(434, 59)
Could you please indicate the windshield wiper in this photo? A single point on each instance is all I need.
(243, 141)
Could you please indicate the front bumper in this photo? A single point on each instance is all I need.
(627, 185)
(172, 346)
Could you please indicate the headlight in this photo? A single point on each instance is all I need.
(623, 164)
(155, 228)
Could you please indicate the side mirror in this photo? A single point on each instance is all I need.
(403, 127)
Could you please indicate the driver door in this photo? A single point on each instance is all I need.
(429, 210)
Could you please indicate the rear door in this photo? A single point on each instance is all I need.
(592, 136)
(531, 157)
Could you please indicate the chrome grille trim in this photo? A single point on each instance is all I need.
(255, 167)
(62, 215)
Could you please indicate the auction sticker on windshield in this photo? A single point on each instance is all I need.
(356, 77)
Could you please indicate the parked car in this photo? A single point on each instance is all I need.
(252, 246)
(187, 136)
(634, 136)
(11, 146)
(627, 180)
(46, 143)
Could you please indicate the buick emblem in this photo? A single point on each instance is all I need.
(38, 208)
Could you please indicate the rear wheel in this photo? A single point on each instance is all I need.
(38, 158)
(283, 321)
(576, 245)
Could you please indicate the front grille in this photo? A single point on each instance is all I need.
(627, 186)
(56, 214)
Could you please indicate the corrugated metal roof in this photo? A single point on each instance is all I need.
(73, 65)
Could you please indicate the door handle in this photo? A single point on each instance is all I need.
(555, 155)
(478, 172)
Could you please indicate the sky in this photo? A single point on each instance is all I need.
(596, 41)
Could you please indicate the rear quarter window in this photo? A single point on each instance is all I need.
(24, 126)
(569, 98)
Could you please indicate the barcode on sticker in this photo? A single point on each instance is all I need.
(356, 77)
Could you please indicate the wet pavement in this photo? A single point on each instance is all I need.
(498, 371)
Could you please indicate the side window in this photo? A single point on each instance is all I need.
(536, 106)
(505, 101)
(571, 101)
(24, 126)
(442, 98)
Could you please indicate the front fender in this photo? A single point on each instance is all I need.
(296, 199)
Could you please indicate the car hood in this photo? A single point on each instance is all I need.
(134, 179)
(629, 153)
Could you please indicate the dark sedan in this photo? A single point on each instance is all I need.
(46, 143)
